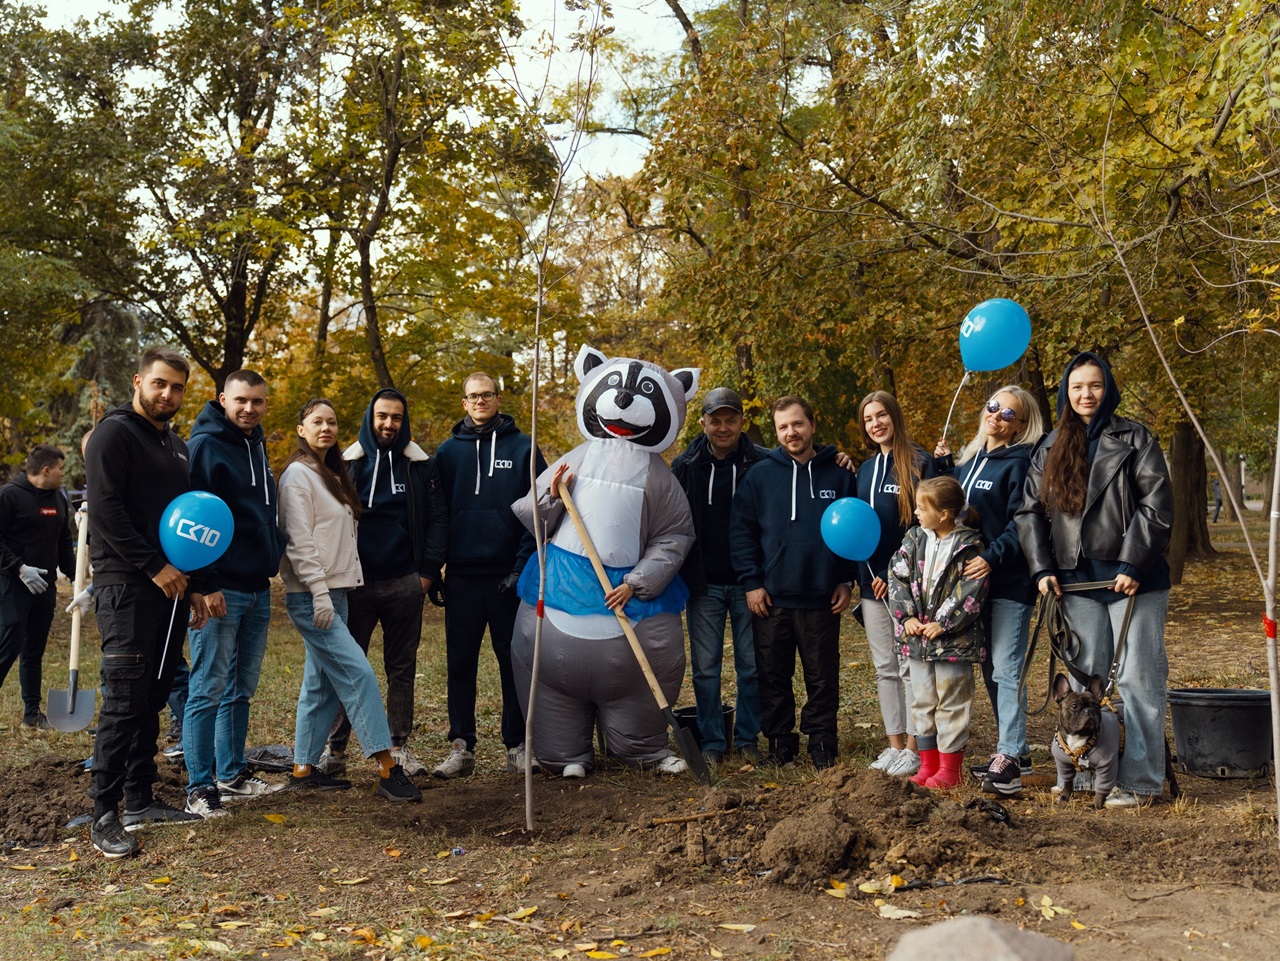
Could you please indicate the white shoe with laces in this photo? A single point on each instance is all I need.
(886, 758)
(515, 761)
(905, 764)
(574, 771)
(406, 759)
(459, 763)
(245, 785)
(672, 765)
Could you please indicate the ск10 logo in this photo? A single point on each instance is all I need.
(200, 533)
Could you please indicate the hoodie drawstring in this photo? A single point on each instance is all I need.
(253, 478)
(795, 468)
(733, 491)
(248, 450)
(493, 453)
(971, 478)
(373, 484)
(875, 475)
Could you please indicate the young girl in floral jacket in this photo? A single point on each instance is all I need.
(936, 610)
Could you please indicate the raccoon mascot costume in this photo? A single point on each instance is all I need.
(638, 518)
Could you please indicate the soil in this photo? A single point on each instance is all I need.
(656, 862)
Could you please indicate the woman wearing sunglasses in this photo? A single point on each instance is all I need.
(991, 468)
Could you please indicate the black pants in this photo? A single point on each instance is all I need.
(815, 635)
(133, 620)
(25, 619)
(396, 604)
(473, 604)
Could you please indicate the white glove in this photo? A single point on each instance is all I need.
(33, 578)
(322, 611)
(83, 600)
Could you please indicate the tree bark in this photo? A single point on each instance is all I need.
(1190, 534)
(1231, 483)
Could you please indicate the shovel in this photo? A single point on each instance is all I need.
(66, 711)
(685, 742)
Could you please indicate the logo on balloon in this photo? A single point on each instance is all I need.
(851, 529)
(192, 528)
(994, 335)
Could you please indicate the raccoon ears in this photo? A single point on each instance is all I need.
(588, 359)
(688, 379)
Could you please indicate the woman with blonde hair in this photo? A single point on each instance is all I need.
(991, 470)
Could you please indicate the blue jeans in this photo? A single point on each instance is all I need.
(706, 615)
(1008, 624)
(337, 673)
(1141, 681)
(226, 660)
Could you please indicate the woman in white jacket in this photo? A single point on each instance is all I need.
(319, 510)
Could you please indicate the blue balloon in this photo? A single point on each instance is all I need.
(195, 530)
(851, 529)
(994, 335)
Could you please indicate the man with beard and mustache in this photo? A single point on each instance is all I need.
(136, 465)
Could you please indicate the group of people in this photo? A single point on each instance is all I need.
(362, 537)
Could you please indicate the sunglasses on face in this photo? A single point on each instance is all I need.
(1007, 413)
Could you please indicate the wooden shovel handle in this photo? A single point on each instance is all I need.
(627, 629)
(82, 574)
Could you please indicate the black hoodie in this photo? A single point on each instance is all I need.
(404, 518)
(34, 529)
(233, 465)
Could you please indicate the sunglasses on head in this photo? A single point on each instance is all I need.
(1007, 413)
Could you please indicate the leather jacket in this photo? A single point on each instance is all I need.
(1127, 514)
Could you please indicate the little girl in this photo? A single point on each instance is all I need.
(936, 612)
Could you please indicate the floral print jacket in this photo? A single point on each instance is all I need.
(955, 601)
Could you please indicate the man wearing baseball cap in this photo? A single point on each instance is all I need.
(710, 470)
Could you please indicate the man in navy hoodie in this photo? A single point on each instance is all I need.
(404, 528)
(229, 459)
(796, 588)
(485, 467)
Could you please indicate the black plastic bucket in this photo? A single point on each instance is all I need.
(1221, 732)
(687, 717)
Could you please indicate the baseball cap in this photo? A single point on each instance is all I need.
(722, 397)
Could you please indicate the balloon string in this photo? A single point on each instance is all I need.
(167, 634)
(947, 426)
(872, 574)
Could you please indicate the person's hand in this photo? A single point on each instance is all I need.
(880, 588)
(561, 476)
(216, 603)
(942, 449)
(427, 583)
(172, 581)
(913, 626)
(840, 598)
(977, 569)
(508, 584)
(1049, 583)
(932, 630)
(322, 612)
(83, 600)
(845, 461)
(1125, 585)
(759, 602)
(33, 578)
(618, 597)
(436, 594)
(200, 611)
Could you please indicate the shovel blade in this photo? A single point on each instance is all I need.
(63, 717)
(687, 745)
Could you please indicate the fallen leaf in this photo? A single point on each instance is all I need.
(835, 892)
(23, 867)
(893, 913)
(586, 946)
(422, 942)
(717, 953)
(365, 935)
(617, 943)
(74, 857)
(322, 912)
(232, 925)
(1078, 926)
(838, 885)
(217, 947)
(744, 928)
(443, 854)
(601, 955)
(185, 926)
(275, 818)
(560, 953)
(523, 913)
(355, 881)
(227, 909)
(451, 915)
(443, 881)
(656, 952)
(393, 853)
(319, 936)
(161, 880)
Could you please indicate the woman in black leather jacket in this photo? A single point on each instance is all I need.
(1097, 506)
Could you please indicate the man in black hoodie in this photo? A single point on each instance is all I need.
(136, 466)
(35, 539)
(710, 470)
(485, 467)
(796, 588)
(229, 459)
(403, 533)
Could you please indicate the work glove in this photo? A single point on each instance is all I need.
(33, 578)
(436, 594)
(322, 611)
(508, 585)
(83, 600)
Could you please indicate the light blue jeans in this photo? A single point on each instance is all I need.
(1142, 680)
(893, 672)
(226, 661)
(337, 673)
(706, 615)
(1009, 629)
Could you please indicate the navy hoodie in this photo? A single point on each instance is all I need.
(232, 464)
(775, 532)
(404, 520)
(878, 486)
(992, 482)
(484, 469)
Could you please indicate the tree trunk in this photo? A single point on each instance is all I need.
(1231, 483)
(1190, 534)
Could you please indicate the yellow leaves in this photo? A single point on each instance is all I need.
(892, 913)
(364, 936)
(392, 853)
(601, 955)
(838, 889)
(275, 818)
(886, 885)
(232, 925)
(744, 928)
(422, 942)
(654, 953)
(586, 946)
(23, 867)
(359, 880)
(1078, 926)
(523, 913)
(1050, 910)
(440, 881)
(322, 913)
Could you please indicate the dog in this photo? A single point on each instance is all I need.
(1090, 737)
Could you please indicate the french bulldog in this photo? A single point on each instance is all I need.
(1088, 738)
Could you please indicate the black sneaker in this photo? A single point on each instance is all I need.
(396, 786)
(157, 812)
(174, 734)
(781, 754)
(823, 756)
(317, 780)
(750, 753)
(713, 756)
(37, 723)
(979, 771)
(1002, 776)
(109, 836)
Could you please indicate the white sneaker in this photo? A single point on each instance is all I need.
(905, 764)
(245, 785)
(334, 765)
(1119, 798)
(515, 761)
(406, 759)
(672, 765)
(205, 801)
(574, 770)
(459, 763)
(887, 757)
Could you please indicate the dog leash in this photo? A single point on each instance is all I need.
(1064, 643)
